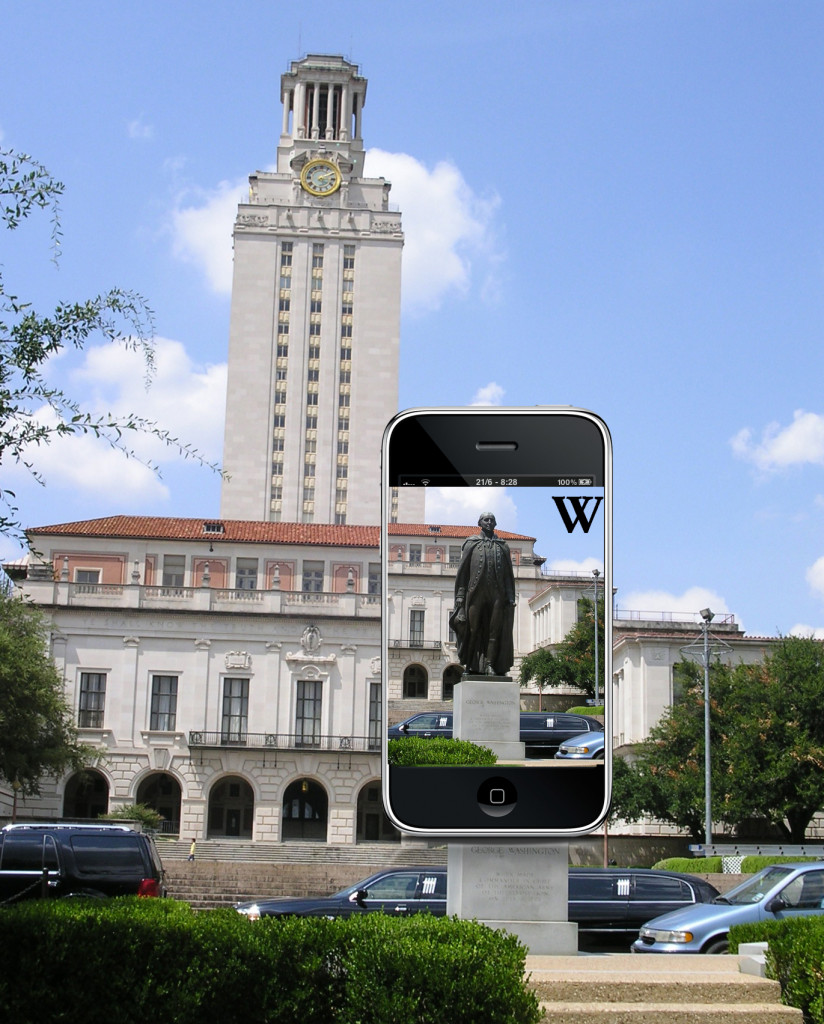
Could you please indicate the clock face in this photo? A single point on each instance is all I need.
(320, 177)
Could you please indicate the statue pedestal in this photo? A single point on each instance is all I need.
(520, 887)
(487, 711)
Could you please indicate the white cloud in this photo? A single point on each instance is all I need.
(815, 577)
(463, 506)
(816, 632)
(692, 600)
(186, 400)
(800, 442)
(448, 228)
(139, 129)
(490, 394)
(202, 232)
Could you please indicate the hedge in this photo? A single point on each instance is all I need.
(691, 865)
(416, 751)
(795, 957)
(158, 962)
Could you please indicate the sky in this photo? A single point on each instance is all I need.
(612, 204)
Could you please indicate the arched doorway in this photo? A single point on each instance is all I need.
(161, 791)
(373, 824)
(451, 675)
(231, 809)
(415, 682)
(305, 811)
(86, 795)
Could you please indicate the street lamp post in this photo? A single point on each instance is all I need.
(706, 618)
(596, 573)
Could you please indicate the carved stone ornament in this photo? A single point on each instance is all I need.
(238, 659)
(311, 640)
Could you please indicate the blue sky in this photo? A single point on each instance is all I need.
(615, 204)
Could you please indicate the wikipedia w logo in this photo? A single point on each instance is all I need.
(579, 508)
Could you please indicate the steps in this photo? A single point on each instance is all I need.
(227, 873)
(648, 989)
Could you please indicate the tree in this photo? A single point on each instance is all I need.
(767, 743)
(572, 663)
(37, 734)
(28, 340)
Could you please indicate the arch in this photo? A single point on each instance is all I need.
(305, 811)
(231, 808)
(415, 682)
(163, 793)
(451, 675)
(373, 825)
(86, 795)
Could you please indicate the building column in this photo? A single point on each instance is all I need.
(316, 111)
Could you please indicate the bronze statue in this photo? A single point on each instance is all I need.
(484, 610)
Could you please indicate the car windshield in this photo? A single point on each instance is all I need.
(754, 889)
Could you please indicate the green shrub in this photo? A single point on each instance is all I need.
(755, 862)
(585, 709)
(691, 865)
(415, 751)
(157, 962)
(795, 956)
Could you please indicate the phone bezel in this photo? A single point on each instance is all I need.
(450, 821)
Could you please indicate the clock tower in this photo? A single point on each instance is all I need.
(315, 317)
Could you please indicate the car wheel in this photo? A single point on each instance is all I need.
(719, 946)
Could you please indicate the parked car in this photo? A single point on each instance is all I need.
(78, 860)
(541, 732)
(583, 747)
(777, 892)
(608, 904)
(611, 904)
(396, 891)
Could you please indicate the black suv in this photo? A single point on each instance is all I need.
(78, 860)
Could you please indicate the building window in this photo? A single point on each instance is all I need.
(308, 712)
(88, 576)
(416, 627)
(415, 683)
(92, 700)
(375, 731)
(174, 569)
(164, 704)
(246, 574)
(312, 577)
(235, 719)
(415, 553)
(373, 585)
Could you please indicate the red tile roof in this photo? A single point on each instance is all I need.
(242, 531)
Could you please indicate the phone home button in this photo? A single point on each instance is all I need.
(497, 796)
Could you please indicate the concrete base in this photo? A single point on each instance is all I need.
(519, 887)
(487, 710)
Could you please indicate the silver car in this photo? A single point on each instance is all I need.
(586, 746)
(779, 891)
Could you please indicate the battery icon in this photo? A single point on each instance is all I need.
(585, 481)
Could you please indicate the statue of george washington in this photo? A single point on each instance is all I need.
(484, 610)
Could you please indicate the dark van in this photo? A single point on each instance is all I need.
(78, 860)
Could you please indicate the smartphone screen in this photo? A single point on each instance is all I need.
(496, 548)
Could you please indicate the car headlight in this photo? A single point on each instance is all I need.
(665, 935)
(253, 912)
(575, 750)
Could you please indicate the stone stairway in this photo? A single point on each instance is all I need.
(649, 989)
(225, 873)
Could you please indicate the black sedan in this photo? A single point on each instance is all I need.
(396, 891)
(609, 905)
